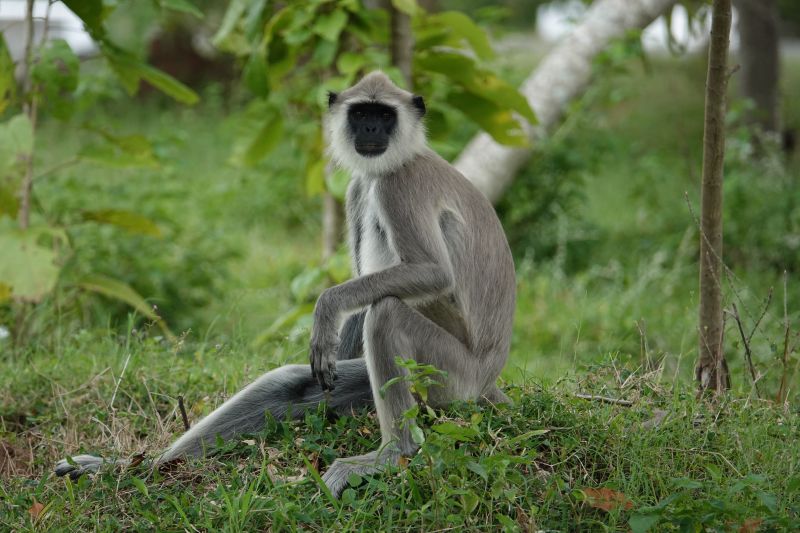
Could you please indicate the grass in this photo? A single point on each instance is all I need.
(606, 305)
(527, 467)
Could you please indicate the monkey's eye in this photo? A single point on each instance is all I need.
(387, 116)
(359, 114)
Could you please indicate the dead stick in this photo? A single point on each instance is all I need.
(604, 399)
(748, 354)
(182, 409)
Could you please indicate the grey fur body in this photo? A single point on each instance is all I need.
(434, 280)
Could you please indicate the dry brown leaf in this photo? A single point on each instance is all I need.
(750, 525)
(36, 509)
(402, 461)
(607, 499)
(249, 442)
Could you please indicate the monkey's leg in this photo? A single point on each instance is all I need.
(289, 387)
(393, 329)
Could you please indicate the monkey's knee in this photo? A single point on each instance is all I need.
(380, 328)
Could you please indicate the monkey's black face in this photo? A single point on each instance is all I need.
(371, 126)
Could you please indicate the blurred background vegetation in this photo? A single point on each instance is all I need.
(201, 193)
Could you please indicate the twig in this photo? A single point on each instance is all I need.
(182, 409)
(761, 317)
(604, 399)
(748, 354)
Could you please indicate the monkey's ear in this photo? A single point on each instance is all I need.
(332, 96)
(419, 105)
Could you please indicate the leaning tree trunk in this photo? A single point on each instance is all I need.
(402, 44)
(759, 58)
(560, 78)
(712, 370)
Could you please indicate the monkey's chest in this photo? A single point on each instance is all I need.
(376, 251)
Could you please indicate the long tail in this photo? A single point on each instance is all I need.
(288, 387)
(288, 390)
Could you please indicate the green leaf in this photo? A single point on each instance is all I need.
(350, 62)
(123, 292)
(265, 140)
(183, 6)
(417, 434)
(233, 14)
(338, 266)
(55, 76)
(469, 501)
(130, 70)
(463, 71)
(456, 432)
(168, 85)
(16, 141)
(460, 26)
(330, 25)
(141, 487)
(8, 83)
(641, 523)
(496, 121)
(91, 12)
(5, 292)
(255, 74)
(27, 268)
(409, 7)
(127, 220)
(478, 469)
(120, 150)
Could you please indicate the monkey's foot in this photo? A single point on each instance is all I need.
(363, 465)
(81, 464)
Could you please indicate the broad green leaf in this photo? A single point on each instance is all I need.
(469, 501)
(641, 523)
(350, 62)
(329, 26)
(130, 70)
(120, 150)
(55, 76)
(497, 122)
(91, 12)
(255, 74)
(16, 144)
(460, 26)
(8, 83)
(463, 71)
(336, 182)
(27, 267)
(456, 432)
(140, 486)
(416, 434)
(233, 14)
(123, 292)
(478, 469)
(168, 85)
(127, 220)
(265, 140)
(409, 7)
(184, 6)
(9, 199)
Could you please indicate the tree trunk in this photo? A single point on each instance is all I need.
(332, 225)
(758, 54)
(402, 45)
(712, 370)
(561, 77)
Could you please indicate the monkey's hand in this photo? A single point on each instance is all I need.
(323, 360)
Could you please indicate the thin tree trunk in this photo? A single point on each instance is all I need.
(26, 190)
(712, 370)
(332, 225)
(758, 54)
(402, 44)
(561, 77)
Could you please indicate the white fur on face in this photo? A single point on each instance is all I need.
(406, 142)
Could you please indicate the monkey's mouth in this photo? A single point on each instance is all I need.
(370, 149)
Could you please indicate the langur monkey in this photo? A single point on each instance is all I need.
(433, 281)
